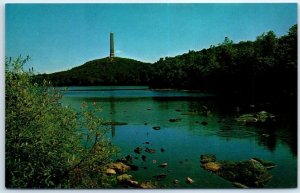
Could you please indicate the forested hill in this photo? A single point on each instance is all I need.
(119, 71)
(265, 67)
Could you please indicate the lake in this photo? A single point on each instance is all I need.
(183, 141)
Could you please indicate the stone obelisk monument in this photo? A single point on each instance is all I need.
(112, 48)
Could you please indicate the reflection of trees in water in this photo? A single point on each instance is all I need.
(113, 113)
(267, 134)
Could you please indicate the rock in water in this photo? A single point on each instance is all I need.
(212, 166)
(261, 116)
(189, 180)
(176, 181)
(266, 164)
(163, 165)
(175, 119)
(156, 128)
(124, 177)
(239, 185)
(162, 150)
(119, 167)
(204, 123)
(250, 173)
(147, 185)
(110, 171)
(132, 183)
(148, 150)
(205, 158)
(161, 176)
(138, 150)
(144, 158)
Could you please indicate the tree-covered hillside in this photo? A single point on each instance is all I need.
(119, 71)
(265, 67)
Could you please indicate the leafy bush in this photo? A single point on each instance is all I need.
(48, 145)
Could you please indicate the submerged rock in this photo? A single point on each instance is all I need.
(144, 158)
(261, 116)
(205, 158)
(134, 167)
(113, 123)
(138, 150)
(175, 119)
(148, 150)
(156, 127)
(162, 149)
(204, 123)
(189, 113)
(161, 176)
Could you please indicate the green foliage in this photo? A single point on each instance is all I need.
(265, 67)
(48, 145)
(119, 71)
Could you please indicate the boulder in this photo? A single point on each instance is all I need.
(162, 149)
(147, 185)
(144, 158)
(189, 180)
(156, 127)
(132, 183)
(119, 167)
(205, 158)
(266, 164)
(110, 171)
(124, 177)
(212, 166)
(249, 173)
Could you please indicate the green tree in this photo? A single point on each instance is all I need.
(48, 145)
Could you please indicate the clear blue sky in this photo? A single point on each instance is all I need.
(62, 36)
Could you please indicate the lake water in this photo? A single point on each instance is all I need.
(184, 141)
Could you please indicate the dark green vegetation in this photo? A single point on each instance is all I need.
(48, 145)
(264, 68)
(119, 71)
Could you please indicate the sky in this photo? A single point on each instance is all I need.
(61, 36)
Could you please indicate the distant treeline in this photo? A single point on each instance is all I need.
(266, 66)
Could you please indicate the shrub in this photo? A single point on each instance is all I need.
(48, 145)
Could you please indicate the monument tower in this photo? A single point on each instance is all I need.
(112, 48)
